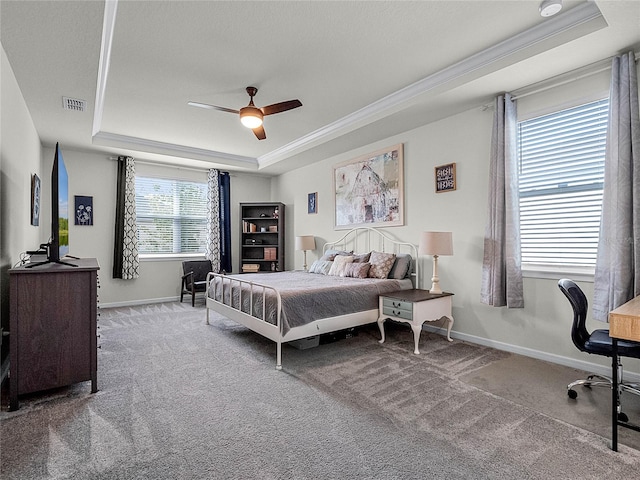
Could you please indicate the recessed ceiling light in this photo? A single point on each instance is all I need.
(549, 8)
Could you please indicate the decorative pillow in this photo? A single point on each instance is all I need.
(357, 270)
(401, 267)
(330, 255)
(340, 263)
(381, 264)
(320, 266)
(361, 258)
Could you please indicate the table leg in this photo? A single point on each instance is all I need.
(449, 328)
(381, 327)
(614, 394)
(417, 330)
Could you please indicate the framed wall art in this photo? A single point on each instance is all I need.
(446, 178)
(84, 210)
(312, 203)
(369, 190)
(35, 200)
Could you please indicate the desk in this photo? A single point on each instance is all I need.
(624, 323)
(415, 307)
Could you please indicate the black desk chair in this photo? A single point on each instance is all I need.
(598, 342)
(194, 279)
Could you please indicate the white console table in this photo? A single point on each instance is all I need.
(415, 307)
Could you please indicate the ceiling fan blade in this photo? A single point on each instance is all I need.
(281, 107)
(213, 107)
(260, 133)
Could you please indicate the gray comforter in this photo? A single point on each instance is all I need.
(305, 296)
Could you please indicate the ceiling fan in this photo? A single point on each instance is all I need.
(251, 116)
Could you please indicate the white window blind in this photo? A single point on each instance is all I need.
(171, 216)
(561, 179)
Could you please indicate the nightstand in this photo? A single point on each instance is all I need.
(415, 307)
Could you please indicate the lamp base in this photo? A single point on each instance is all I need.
(435, 288)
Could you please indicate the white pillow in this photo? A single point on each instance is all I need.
(340, 263)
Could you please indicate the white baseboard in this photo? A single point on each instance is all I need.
(132, 303)
(537, 354)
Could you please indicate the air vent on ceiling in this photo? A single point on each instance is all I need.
(73, 104)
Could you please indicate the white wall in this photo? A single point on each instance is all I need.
(542, 328)
(95, 175)
(20, 154)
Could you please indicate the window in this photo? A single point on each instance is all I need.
(561, 159)
(171, 216)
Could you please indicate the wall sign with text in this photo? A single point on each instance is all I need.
(446, 178)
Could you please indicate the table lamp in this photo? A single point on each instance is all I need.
(304, 243)
(436, 244)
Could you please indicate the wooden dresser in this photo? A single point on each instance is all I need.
(53, 321)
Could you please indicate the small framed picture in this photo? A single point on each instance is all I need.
(35, 200)
(446, 178)
(84, 210)
(312, 203)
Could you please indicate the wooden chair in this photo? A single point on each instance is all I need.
(194, 278)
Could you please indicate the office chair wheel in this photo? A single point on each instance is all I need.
(623, 417)
(572, 394)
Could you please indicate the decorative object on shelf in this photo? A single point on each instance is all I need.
(436, 244)
(446, 178)
(369, 191)
(304, 243)
(84, 210)
(276, 212)
(35, 200)
(312, 203)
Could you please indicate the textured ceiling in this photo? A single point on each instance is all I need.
(363, 70)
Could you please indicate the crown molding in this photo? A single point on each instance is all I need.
(170, 149)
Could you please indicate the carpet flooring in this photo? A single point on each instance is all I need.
(180, 399)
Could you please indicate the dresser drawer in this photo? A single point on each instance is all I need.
(397, 312)
(397, 308)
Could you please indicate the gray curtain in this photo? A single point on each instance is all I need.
(501, 264)
(617, 275)
(126, 263)
(212, 251)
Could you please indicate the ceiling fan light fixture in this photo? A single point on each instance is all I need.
(251, 117)
(549, 8)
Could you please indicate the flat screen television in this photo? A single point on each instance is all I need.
(59, 245)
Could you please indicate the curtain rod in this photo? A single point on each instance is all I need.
(591, 69)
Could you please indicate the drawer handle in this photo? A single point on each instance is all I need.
(396, 304)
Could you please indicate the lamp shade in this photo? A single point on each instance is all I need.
(306, 242)
(435, 243)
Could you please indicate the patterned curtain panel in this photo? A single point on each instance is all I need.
(501, 265)
(617, 276)
(212, 251)
(126, 264)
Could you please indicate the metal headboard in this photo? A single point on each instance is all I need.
(366, 239)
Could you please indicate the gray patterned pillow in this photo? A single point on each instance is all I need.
(357, 270)
(321, 266)
(381, 264)
(330, 255)
(361, 257)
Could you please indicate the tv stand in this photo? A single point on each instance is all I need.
(59, 262)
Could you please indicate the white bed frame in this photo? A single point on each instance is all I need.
(358, 240)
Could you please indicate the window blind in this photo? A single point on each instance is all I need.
(171, 216)
(561, 159)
